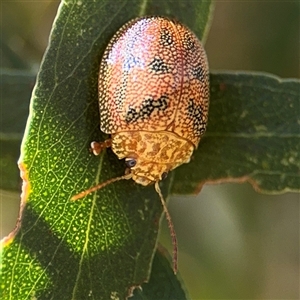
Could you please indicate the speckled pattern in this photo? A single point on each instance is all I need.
(155, 153)
(154, 80)
(154, 77)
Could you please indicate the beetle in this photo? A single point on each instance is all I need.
(153, 100)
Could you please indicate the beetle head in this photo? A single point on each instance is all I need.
(145, 172)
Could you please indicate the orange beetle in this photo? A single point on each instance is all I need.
(153, 99)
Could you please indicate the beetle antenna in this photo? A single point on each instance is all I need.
(170, 224)
(100, 186)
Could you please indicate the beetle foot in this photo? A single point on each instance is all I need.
(98, 147)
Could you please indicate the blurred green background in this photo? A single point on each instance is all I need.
(233, 242)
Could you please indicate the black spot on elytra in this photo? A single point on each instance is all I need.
(188, 42)
(166, 38)
(159, 66)
(148, 106)
(196, 114)
(199, 73)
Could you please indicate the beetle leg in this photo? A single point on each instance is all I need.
(98, 147)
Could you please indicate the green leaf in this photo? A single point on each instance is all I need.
(163, 284)
(100, 247)
(253, 134)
